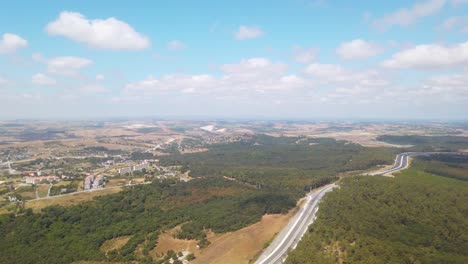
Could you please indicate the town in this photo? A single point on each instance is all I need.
(51, 177)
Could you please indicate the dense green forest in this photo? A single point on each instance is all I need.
(428, 143)
(64, 235)
(416, 217)
(287, 163)
(263, 175)
(452, 166)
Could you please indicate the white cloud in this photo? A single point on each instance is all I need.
(42, 79)
(324, 70)
(92, 89)
(336, 75)
(304, 55)
(67, 65)
(249, 76)
(246, 32)
(175, 45)
(109, 33)
(458, 80)
(171, 82)
(99, 77)
(251, 66)
(9, 43)
(38, 57)
(358, 49)
(457, 22)
(429, 56)
(450, 87)
(408, 16)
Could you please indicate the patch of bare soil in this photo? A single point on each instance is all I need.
(242, 245)
(166, 242)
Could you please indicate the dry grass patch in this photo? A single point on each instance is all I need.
(43, 189)
(242, 245)
(116, 182)
(114, 243)
(68, 200)
(166, 242)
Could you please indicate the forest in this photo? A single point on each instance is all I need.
(295, 164)
(234, 185)
(420, 216)
(428, 143)
(76, 233)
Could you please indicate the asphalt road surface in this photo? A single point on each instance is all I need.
(296, 228)
(401, 161)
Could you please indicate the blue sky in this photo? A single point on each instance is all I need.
(266, 59)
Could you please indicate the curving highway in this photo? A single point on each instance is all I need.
(290, 236)
(297, 227)
(401, 161)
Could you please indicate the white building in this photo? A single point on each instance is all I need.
(36, 180)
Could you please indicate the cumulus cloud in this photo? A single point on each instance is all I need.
(109, 33)
(246, 32)
(408, 16)
(10, 43)
(457, 83)
(175, 45)
(42, 79)
(325, 70)
(358, 49)
(171, 82)
(67, 65)
(429, 56)
(251, 66)
(248, 76)
(450, 87)
(337, 75)
(304, 55)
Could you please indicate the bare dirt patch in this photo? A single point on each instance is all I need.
(166, 242)
(242, 245)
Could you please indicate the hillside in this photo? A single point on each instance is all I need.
(416, 217)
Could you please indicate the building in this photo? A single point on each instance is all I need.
(88, 181)
(141, 166)
(36, 180)
(93, 182)
(125, 170)
(98, 181)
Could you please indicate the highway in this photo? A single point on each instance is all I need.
(290, 236)
(296, 228)
(402, 161)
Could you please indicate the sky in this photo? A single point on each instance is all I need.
(295, 59)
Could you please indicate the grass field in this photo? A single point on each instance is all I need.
(68, 200)
(243, 245)
(42, 190)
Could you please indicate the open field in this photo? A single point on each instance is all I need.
(42, 190)
(243, 245)
(166, 242)
(68, 200)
